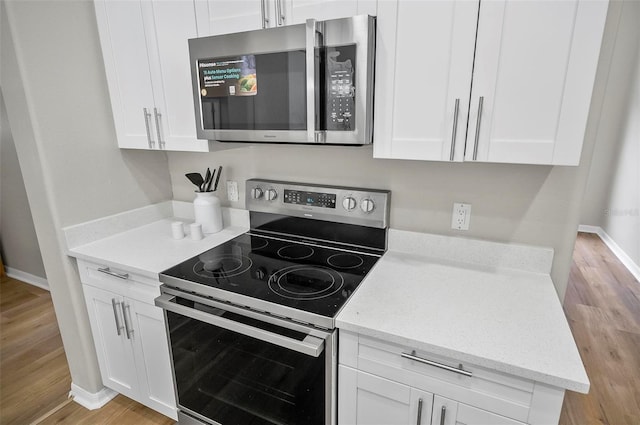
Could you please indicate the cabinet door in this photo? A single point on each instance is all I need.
(366, 399)
(534, 72)
(449, 412)
(424, 62)
(124, 49)
(152, 357)
(169, 25)
(217, 17)
(114, 349)
(298, 11)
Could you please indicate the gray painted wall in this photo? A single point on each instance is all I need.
(18, 242)
(612, 197)
(53, 80)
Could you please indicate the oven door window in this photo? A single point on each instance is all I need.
(231, 378)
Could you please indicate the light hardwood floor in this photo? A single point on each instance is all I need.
(602, 305)
(34, 375)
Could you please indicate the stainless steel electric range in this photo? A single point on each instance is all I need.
(251, 322)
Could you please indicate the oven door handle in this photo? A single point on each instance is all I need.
(310, 345)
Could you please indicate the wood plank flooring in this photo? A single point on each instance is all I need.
(602, 305)
(34, 374)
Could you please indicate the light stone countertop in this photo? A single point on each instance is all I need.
(491, 316)
(147, 249)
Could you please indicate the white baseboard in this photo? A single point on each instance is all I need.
(633, 268)
(27, 278)
(590, 229)
(89, 400)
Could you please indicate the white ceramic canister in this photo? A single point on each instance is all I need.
(207, 211)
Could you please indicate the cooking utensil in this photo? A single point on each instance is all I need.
(196, 178)
(208, 188)
(207, 178)
(215, 186)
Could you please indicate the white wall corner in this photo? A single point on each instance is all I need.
(89, 400)
(627, 261)
(27, 278)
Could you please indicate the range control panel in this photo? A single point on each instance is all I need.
(314, 199)
(367, 207)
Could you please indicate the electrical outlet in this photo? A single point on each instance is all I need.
(232, 191)
(461, 216)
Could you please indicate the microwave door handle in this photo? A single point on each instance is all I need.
(310, 345)
(314, 39)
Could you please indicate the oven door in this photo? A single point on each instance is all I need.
(231, 366)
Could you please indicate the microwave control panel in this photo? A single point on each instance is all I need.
(340, 91)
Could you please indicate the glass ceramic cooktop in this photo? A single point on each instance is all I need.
(303, 276)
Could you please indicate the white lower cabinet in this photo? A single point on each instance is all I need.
(372, 400)
(380, 383)
(130, 336)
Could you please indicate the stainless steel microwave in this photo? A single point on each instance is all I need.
(305, 83)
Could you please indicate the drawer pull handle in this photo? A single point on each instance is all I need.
(106, 270)
(460, 370)
(443, 413)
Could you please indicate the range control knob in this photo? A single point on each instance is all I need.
(367, 205)
(270, 194)
(256, 193)
(349, 203)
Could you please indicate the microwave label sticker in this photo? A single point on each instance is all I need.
(222, 77)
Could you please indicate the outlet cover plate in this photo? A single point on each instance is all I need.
(232, 191)
(461, 216)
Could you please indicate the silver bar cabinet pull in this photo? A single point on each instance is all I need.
(443, 413)
(478, 121)
(455, 129)
(460, 370)
(106, 270)
(126, 312)
(147, 116)
(265, 20)
(279, 10)
(119, 326)
(158, 115)
(419, 421)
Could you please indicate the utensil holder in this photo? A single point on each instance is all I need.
(207, 211)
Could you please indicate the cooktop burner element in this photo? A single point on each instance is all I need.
(303, 282)
(295, 252)
(308, 249)
(223, 266)
(345, 261)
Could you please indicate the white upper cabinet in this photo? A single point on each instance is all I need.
(146, 55)
(217, 17)
(525, 98)
(534, 70)
(228, 16)
(424, 60)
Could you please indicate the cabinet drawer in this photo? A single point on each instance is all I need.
(483, 388)
(119, 280)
